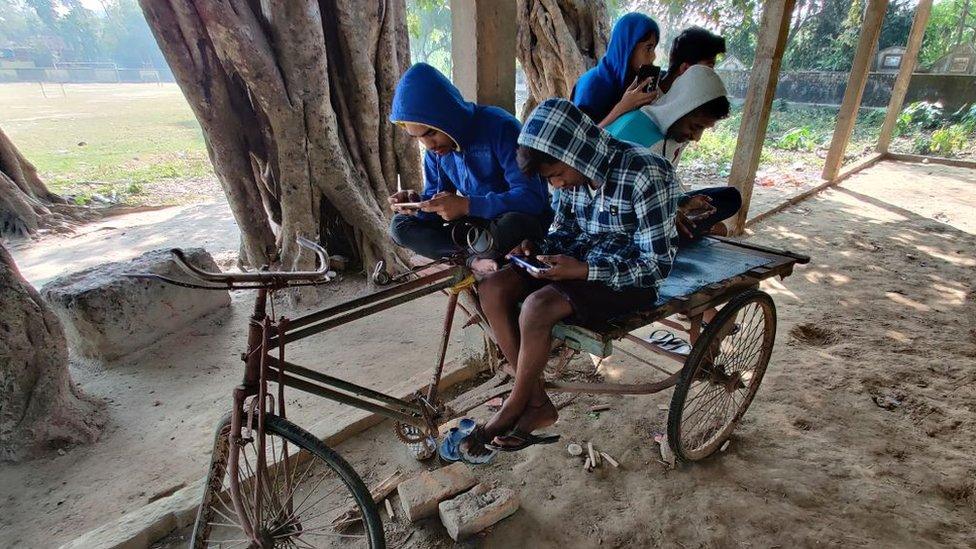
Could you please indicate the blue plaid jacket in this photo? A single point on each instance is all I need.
(626, 233)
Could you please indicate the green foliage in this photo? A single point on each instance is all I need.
(919, 115)
(947, 28)
(797, 139)
(429, 28)
(966, 117)
(66, 30)
(947, 141)
(823, 33)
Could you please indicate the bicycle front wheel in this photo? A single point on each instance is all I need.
(315, 499)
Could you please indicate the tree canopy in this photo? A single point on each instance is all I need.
(823, 33)
(51, 31)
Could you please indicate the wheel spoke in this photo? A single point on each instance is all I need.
(726, 374)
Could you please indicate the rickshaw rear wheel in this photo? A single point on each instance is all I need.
(721, 376)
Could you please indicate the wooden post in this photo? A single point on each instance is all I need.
(908, 60)
(483, 50)
(773, 30)
(863, 58)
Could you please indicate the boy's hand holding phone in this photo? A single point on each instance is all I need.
(563, 267)
(405, 202)
(695, 209)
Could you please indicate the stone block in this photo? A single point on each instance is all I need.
(420, 495)
(477, 509)
(107, 315)
(141, 527)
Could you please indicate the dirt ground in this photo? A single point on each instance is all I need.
(885, 312)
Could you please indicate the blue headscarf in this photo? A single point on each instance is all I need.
(601, 87)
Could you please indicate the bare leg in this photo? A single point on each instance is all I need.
(484, 266)
(499, 294)
(528, 405)
(540, 312)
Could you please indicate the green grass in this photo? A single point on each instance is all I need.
(717, 146)
(104, 137)
(140, 143)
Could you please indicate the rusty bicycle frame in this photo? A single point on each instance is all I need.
(268, 337)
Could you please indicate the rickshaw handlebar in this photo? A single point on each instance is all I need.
(262, 276)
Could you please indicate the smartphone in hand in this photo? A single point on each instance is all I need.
(649, 71)
(406, 206)
(530, 264)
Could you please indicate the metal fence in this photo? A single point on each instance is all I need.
(85, 75)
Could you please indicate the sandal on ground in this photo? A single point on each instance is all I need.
(526, 440)
(669, 342)
(478, 438)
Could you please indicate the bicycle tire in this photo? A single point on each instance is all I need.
(702, 354)
(214, 488)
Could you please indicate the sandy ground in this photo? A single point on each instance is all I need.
(885, 311)
(209, 225)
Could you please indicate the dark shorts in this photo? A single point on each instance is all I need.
(594, 303)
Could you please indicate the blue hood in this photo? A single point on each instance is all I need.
(601, 87)
(425, 96)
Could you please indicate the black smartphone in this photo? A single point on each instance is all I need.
(530, 264)
(649, 71)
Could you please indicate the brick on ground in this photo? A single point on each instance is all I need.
(420, 495)
(477, 509)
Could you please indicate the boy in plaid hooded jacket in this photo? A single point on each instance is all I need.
(612, 242)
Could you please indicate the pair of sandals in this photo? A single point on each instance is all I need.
(667, 341)
(674, 344)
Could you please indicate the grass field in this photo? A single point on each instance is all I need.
(140, 143)
(105, 138)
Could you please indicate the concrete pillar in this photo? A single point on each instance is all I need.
(483, 51)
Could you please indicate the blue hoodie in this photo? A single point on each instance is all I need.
(600, 88)
(483, 168)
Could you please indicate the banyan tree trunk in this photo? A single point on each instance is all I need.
(40, 408)
(26, 204)
(557, 41)
(294, 98)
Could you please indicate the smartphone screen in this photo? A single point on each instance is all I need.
(406, 206)
(649, 71)
(530, 264)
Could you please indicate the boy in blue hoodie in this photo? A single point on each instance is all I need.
(612, 243)
(470, 172)
(610, 89)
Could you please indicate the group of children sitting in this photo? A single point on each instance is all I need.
(606, 239)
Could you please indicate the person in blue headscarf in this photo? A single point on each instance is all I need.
(470, 172)
(610, 89)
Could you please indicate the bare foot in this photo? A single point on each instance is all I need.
(534, 418)
(474, 444)
(483, 266)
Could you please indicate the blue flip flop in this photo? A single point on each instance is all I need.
(450, 448)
